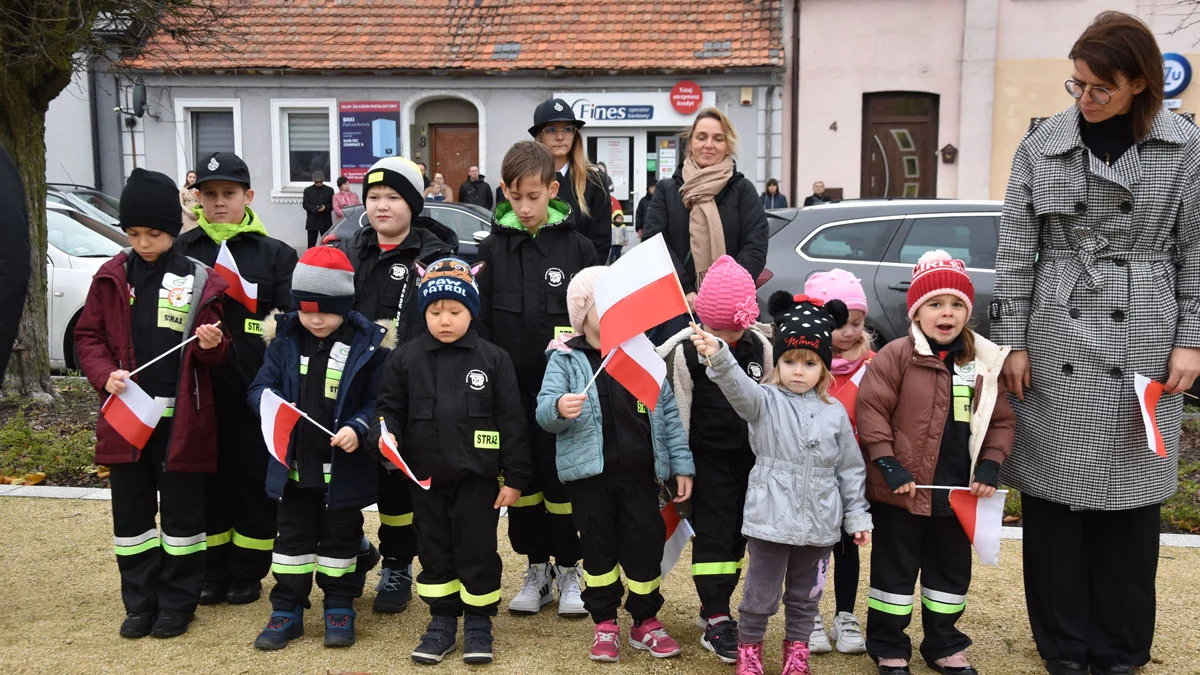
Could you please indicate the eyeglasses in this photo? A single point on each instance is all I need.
(1099, 94)
(566, 131)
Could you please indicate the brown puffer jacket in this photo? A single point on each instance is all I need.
(902, 406)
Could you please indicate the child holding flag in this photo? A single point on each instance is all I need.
(145, 302)
(447, 404)
(327, 359)
(240, 518)
(612, 452)
(532, 254)
(851, 354)
(931, 410)
(720, 442)
(808, 476)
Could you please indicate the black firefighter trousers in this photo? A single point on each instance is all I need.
(312, 539)
(719, 549)
(539, 524)
(456, 543)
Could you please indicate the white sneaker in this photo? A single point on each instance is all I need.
(848, 634)
(570, 602)
(818, 641)
(536, 592)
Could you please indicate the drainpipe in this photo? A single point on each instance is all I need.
(795, 121)
(97, 181)
(767, 129)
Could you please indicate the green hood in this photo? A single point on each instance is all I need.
(557, 213)
(219, 232)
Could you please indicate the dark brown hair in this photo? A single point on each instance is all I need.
(1118, 42)
(525, 159)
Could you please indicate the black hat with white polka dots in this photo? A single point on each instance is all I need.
(808, 323)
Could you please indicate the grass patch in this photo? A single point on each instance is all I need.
(59, 441)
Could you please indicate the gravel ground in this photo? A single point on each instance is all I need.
(62, 608)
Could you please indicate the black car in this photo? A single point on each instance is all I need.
(470, 222)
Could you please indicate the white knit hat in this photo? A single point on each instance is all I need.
(581, 295)
(401, 175)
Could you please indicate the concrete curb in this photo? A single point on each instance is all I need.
(104, 494)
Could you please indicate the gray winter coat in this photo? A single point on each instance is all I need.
(1098, 277)
(808, 477)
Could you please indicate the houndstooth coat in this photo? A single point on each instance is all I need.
(1098, 277)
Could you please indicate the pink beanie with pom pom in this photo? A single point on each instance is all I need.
(837, 284)
(726, 300)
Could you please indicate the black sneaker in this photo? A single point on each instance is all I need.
(243, 592)
(136, 625)
(477, 639)
(394, 590)
(170, 624)
(438, 640)
(721, 638)
(213, 592)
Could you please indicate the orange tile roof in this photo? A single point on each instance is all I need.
(487, 36)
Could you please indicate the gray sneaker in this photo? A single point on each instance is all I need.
(818, 641)
(847, 633)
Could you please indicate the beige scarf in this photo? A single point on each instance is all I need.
(700, 187)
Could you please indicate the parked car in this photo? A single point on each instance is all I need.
(89, 201)
(880, 241)
(75, 250)
(470, 223)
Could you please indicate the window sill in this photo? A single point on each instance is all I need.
(287, 196)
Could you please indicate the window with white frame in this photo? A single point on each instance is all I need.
(304, 139)
(212, 131)
(205, 126)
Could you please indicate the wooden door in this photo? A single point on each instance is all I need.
(455, 149)
(899, 145)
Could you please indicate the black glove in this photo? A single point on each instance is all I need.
(987, 472)
(894, 473)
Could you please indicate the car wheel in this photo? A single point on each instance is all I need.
(69, 355)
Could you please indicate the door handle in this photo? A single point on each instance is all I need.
(902, 286)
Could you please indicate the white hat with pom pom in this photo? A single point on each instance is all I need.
(936, 273)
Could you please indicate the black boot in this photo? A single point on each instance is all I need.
(170, 624)
(477, 639)
(1066, 667)
(243, 592)
(438, 641)
(213, 592)
(136, 625)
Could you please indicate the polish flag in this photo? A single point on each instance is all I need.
(239, 289)
(638, 292)
(679, 532)
(392, 453)
(133, 413)
(1148, 393)
(981, 518)
(278, 419)
(639, 369)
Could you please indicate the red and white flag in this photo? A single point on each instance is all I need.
(239, 289)
(278, 419)
(981, 519)
(638, 368)
(133, 413)
(856, 379)
(1148, 392)
(638, 292)
(392, 453)
(679, 532)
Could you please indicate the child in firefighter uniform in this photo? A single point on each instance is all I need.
(448, 401)
(327, 359)
(142, 303)
(240, 519)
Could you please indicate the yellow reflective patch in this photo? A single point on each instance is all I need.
(641, 408)
(169, 318)
(559, 331)
(253, 327)
(962, 409)
(375, 177)
(487, 440)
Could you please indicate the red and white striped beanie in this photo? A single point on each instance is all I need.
(936, 273)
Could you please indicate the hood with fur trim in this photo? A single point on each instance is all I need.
(270, 328)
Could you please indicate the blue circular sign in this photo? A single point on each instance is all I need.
(1178, 74)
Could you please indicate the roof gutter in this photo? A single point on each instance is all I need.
(793, 165)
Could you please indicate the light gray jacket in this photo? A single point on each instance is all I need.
(809, 477)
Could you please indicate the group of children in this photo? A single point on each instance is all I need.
(789, 441)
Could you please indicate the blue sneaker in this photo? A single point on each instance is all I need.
(440, 639)
(395, 588)
(281, 628)
(339, 627)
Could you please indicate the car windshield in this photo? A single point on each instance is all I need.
(465, 223)
(106, 203)
(76, 239)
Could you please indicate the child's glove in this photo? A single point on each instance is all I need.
(894, 473)
(987, 472)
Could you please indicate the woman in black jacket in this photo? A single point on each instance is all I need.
(708, 208)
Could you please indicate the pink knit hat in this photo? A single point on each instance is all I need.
(837, 284)
(581, 295)
(726, 300)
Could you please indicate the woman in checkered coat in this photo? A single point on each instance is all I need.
(1098, 279)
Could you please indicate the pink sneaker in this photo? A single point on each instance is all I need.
(795, 658)
(652, 637)
(607, 645)
(749, 661)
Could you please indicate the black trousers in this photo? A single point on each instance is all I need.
(315, 539)
(397, 541)
(456, 543)
(239, 516)
(719, 549)
(158, 573)
(620, 528)
(905, 544)
(846, 572)
(539, 524)
(1089, 581)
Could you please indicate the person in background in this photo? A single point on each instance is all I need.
(643, 205)
(318, 202)
(424, 173)
(818, 196)
(620, 237)
(344, 197)
(438, 191)
(772, 199)
(189, 201)
(602, 169)
(475, 190)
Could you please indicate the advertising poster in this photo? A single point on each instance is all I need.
(370, 132)
(614, 152)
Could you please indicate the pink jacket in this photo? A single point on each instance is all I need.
(342, 199)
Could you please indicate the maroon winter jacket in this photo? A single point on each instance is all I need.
(104, 343)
